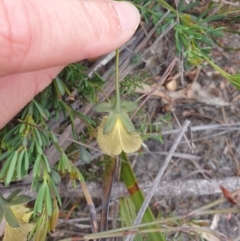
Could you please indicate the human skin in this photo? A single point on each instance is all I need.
(39, 38)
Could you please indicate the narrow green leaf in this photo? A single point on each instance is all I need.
(40, 109)
(217, 33)
(11, 169)
(8, 136)
(211, 18)
(39, 138)
(45, 137)
(188, 6)
(74, 133)
(5, 155)
(60, 85)
(25, 141)
(48, 201)
(26, 160)
(55, 177)
(64, 162)
(36, 167)
(206, 40)
(10, 217)
(24, 113)
(20, 199)
(177, 42)
(30, 108)
(84, 118)
(46, 163)
(193, 35)
(53, 187)
(22, 128)
(181, 27)
(31, 147)
(13, 194)
(84, 155)
(53, 136)
(39, 201)
(19, 164)
(38, 147)
(7, 212)
(184, 41)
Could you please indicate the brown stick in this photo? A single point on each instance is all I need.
(166, 189)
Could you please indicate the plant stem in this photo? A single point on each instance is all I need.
(166, 5)
(221, 71)
(118, 99)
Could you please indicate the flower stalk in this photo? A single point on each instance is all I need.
(116, 132)
(118, 98)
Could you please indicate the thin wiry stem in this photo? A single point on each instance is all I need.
(118, 98)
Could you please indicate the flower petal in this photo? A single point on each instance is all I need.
(109, 143)
(129, 141)
(118, 140)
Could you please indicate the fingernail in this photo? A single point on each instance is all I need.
(128, 15)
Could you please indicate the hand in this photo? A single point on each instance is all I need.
(39, 38)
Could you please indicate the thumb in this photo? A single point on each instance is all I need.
(36, 35)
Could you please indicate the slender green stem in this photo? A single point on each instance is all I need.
(166, 5)
(221, 71)
(118, 98)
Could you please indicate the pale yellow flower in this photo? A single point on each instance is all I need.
(118, 139)
(19, 234)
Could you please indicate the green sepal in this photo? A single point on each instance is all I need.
(128, 106)
(126, 121)
(111, 120)
(103, 107)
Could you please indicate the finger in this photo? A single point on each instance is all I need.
(17, 90)
(41, 34)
